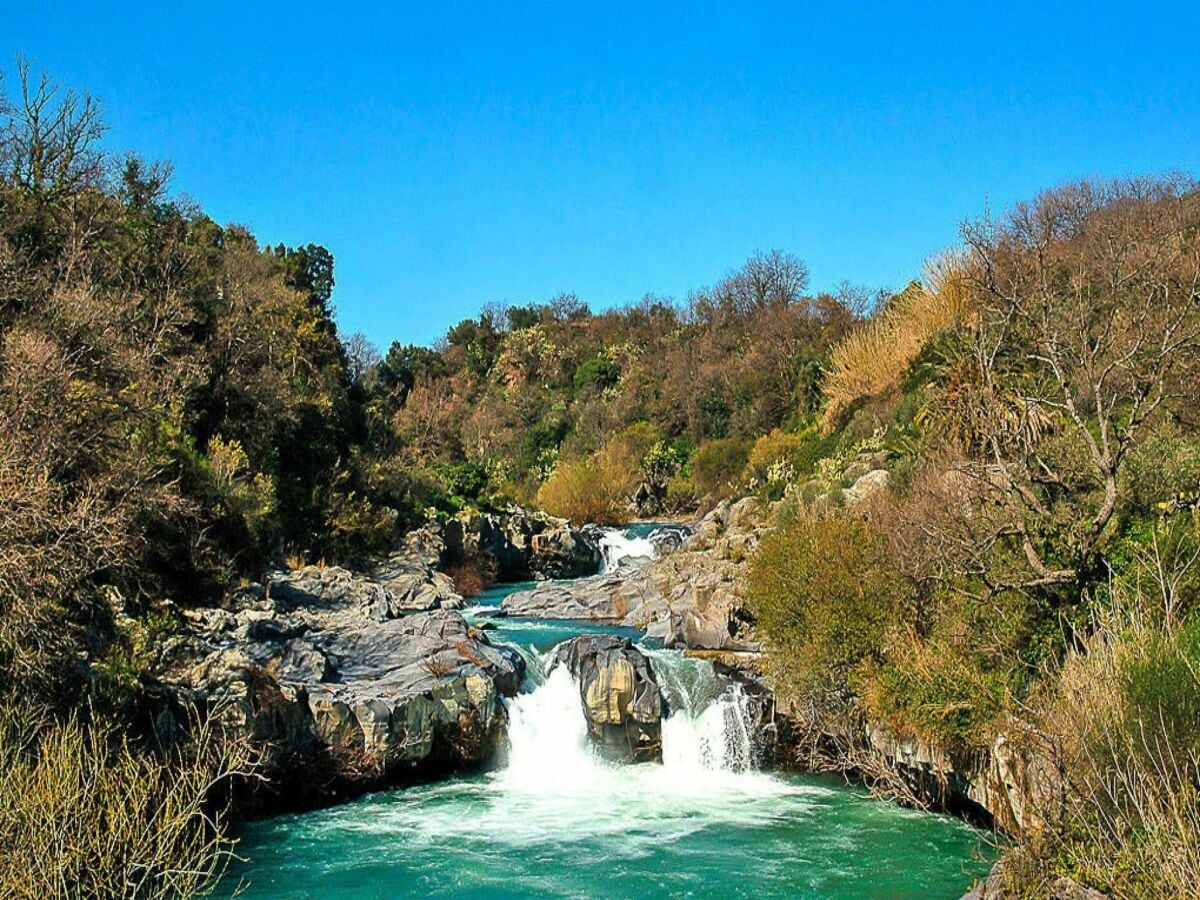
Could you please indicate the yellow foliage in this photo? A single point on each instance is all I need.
(596, 489)
(871, 361)
(83, 813)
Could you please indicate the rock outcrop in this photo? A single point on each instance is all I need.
(519, 545)
(608, 598)
(622, 702)
(337, 699)
(1011, 785)
(403, 583)
(692, 596)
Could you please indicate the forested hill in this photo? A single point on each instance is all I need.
(176, 404)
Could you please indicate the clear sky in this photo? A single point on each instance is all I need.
(453, 154)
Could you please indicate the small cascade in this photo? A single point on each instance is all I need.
(710, 727)
(708, 734)
(619, 545)
(547, 735)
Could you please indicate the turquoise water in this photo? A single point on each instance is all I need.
(538, 634)
(556, 822)
(473, 837)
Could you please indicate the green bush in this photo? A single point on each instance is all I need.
(1162, 692)
(599, 373)
(1164, 466)
(938, 695)
(824, 591)
(717, 464)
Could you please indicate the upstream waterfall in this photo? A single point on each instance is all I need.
(618, 546)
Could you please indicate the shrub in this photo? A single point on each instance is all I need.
(681, 495)
(717, 464)
(1119, 721)
(774, 449)
(599, 373)
(596, 489)
(936, 693)
(471, 576)
(1165, 466)
(823, 591)
(1162, 692)
(85, 813)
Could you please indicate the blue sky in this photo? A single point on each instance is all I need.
(454, 154)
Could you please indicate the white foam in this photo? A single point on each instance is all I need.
(617, 546)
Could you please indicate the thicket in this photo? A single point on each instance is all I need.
(1032, 571)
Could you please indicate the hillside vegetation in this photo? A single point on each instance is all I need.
(1033, 572)
(178, 409)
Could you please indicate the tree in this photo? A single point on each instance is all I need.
(1089, 322)
(309, 269)
(362, 357)
(49, 137)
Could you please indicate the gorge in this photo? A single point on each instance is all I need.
(553, 816)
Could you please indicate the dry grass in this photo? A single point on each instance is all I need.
(872, 360)
(1130, 822)
(85, 814)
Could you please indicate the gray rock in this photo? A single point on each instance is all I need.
(668, 538)
(315, 587)
(411, 585)
(517, 545)
(622, 702)
(373, 698)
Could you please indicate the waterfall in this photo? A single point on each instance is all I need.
(547, 736)
(710, 727)
(707, 735)
(619, 545)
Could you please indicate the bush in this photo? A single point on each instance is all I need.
(716, 466)
(823, 591)
(1120, 724)
(84, 813)
(1165, 466)
(471, 577)
(681, 495)
(934, 693)
(774, 449)
(1162, 692)
(599, 373)
(596, 489)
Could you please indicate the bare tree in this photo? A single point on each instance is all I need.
(1089, 319)
(49, 136)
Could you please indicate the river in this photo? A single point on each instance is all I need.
(552, 820)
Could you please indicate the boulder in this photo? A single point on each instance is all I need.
(600, 598)
(518, 545)
(866, 486)
(350, 702)
(410, 584)
(322, 587)
(622, 702)
(405, 582)
(669, 538)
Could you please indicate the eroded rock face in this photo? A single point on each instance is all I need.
(622, 702)
(340, 701)
(520, 545)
